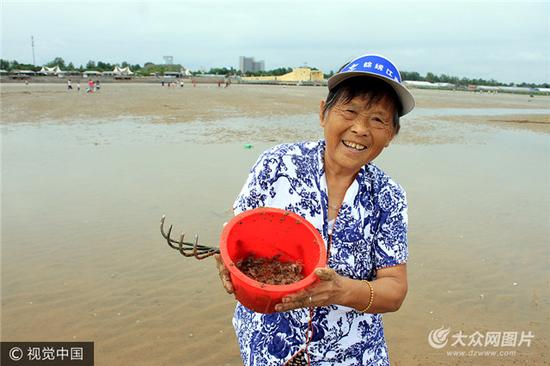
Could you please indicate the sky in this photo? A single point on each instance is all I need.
(506, 41)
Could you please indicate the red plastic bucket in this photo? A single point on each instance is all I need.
(267, 232)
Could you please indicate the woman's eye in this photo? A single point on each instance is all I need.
(349, 113)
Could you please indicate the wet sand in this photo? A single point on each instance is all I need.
(41, 102)
(86, 178)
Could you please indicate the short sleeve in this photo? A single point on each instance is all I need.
(257, 191)
(391, 247)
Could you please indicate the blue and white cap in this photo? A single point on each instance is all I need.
(379, 67)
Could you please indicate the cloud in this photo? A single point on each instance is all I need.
(455, 38)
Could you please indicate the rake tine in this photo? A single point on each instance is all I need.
(195, 253)
(186, 249)
(172, 241)
(168, 240)
(182, 249)
(212, 252)
(162, 226)
(195, 246)
(206, 254)
(165, 235)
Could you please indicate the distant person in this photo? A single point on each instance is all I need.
(219, 84)
(227, 82)
(91, 86)
(69, 86)
(97, 86)
(162, 83)
(78, 86)
(181, 83)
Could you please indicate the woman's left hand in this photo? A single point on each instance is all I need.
(330, 290)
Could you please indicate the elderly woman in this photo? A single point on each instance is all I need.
(361, 214)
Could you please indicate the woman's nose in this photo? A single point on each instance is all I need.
(361, 127)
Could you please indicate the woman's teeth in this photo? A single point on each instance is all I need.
(354, 145)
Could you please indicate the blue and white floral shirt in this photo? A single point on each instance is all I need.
(369, 233)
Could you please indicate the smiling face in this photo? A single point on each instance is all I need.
(356, 132)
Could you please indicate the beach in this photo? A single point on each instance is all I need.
(87, 177)
(42, 102)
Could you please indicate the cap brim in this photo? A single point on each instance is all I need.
(404, 95)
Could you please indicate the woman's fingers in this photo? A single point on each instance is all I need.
(294, 303)
(302, 300)
(323, 293)
(219, 263)
(325, 274)
(224, 274)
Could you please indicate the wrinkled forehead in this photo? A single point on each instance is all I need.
(368, 100)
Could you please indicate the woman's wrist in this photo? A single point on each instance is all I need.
(348, 292)
(355, 294)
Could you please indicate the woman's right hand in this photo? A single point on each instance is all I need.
(224, 274)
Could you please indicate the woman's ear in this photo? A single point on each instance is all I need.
(322, 114)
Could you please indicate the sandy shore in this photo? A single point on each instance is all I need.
(86, 178)
(52, 102)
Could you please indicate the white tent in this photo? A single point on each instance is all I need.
(122, 71)
(51, 70)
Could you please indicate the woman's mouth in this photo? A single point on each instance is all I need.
(354, 145)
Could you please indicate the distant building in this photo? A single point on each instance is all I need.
(91, 73)
(302, 74)
(427, 85)
(508, 89)
(298, 74)
(247, 64)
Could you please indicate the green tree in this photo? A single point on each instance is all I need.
(432, 78)
(411, 75)
(58, 61)
(104, 66)
(4, 64)
(90, 65)
(326, 76)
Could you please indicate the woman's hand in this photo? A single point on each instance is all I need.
(224, 274)
(330, 290)
(389, 291)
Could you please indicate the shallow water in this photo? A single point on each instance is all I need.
(82, 256)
